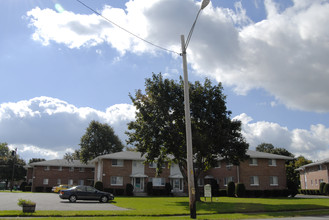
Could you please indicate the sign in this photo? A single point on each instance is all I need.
(207, 191)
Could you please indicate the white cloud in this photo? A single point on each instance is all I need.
(312, 143)
(286, 53)
(48, 127)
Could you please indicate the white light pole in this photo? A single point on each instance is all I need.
(189, 149)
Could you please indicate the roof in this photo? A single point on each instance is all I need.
(314, 164)
(123, 155)
(132, 155)
(257, 154)
(62, 163)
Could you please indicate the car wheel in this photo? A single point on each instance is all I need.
(104, 199)
(73, 198)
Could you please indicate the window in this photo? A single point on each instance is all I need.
(59, 181)
(71, 169)
(229, 166)
(219, 164)
(274, 181)
(320, 180)
(81, 182)
(70, 182)
(117, 163)
(47, 168)
(253, 162)
(158, 181)
(81, 169)
(153, 165)
(200, 182)
(228, 179)
(60, 168)
(272, 162)
(254, 181)
(116, 180)
(45, 181)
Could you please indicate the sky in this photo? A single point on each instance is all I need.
(63, 65)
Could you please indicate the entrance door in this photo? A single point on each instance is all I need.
(138, 184)
(177, 185)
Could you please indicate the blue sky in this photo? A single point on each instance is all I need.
(62, 66)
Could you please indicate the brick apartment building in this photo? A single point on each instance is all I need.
(311, 175)
(262, 171)
(46, 174)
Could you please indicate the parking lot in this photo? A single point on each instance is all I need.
(51, 201)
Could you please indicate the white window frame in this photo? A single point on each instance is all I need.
(81, 182)
(70, 182)
(254, 181)
(253, 162)
(152, 165)
(274, 181)
(272, 162)
(157, 181)
(60, 168)
(117, 163)
(71, 169)
(218, 164)
(47, 168)
(116, 181)
(45, 181)
(81, 169)
(228, 179)
(59, 181)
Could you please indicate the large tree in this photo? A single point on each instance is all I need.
(159, 128)
(10, 162)
(99, 139)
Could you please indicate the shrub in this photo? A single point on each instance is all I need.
(22, 186)
(149, 188)
(222, 192)
(28, 189)
(326, 189)
(99, 185)
(230, 189)
(214, 188)
(240, 190)
(39, 189)
(322, 187)
(168, 188)
(129, 189)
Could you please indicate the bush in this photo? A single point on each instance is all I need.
(326, 189)
(39, 189)
(99, 185)
(240, 190)
(222, 192)
(27, 188)
(214, 188)
(129, 189)
(22, 186)
(231, 189)
(322, 187)
(149, 188)
(168, 188)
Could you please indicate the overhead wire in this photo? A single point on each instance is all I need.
(135, 35)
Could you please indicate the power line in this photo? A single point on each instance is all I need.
(142, 39)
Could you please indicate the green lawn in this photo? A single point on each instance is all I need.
(178, 208)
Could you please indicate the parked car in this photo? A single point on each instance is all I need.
(85, 193)
(56, 189)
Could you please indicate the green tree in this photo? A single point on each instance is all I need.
(8, 162)
(33, 160)
(159, 128)
(269, 148)
(99, 139)
(72, 156)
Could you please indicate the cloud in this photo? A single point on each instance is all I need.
(48, 127)
(285, 54)
(312, 143)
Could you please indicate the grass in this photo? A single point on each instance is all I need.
(178, 208)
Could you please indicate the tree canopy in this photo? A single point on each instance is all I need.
(8, 161)
(99, 139)
(159, 128)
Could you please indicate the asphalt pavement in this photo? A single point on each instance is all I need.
(51, 201)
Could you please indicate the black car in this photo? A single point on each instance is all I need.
(85, 193)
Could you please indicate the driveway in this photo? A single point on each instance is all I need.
(51, 201)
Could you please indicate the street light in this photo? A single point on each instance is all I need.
(190, 171)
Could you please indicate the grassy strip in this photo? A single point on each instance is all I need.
(177, 207)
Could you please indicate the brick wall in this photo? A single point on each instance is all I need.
(53, 174)
(314, 176)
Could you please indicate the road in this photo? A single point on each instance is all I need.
(51, 201)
